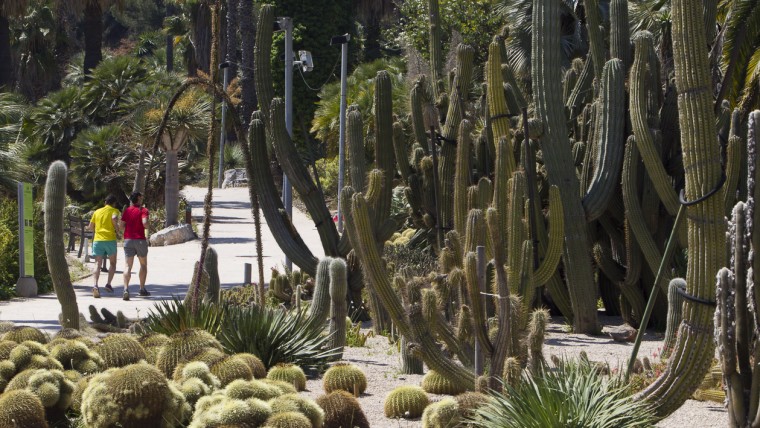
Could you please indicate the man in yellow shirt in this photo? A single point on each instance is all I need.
(105, 224)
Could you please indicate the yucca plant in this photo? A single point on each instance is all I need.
(574, 394)
(275, 336)
(172, 316)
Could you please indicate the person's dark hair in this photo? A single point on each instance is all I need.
(134, 196)
(111, 200)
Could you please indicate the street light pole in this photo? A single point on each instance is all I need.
(223, 137)
(343, 40)
(287, 192)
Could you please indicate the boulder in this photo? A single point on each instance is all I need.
(234, 177)
(172, 235)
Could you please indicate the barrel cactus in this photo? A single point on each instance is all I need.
(435, 383)
(21, 408)
(182, 343)
(289, 373)
(152, 344)
(342, 410)
(229, 368)
(20, 334)
(296, 403)
(74, 355)
(219, 410)
(119, 350)
(254, 363)
(406, 402)
(441, 414)
(50, 386)
(346, 377)
(288, 420)
(241, 389)
(135, 396)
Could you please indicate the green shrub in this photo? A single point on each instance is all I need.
(573, 395)
(9, 250)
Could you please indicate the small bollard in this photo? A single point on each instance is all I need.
(87, 250)
(188, 214)
(247, 274)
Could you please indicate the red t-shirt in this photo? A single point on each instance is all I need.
(133, 226)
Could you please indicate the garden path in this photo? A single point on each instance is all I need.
(170, 268)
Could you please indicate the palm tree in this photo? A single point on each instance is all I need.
(101, 162)
(34, 44)
(93, 28)
(8, 9)
(188, 120)
(740, 61)
(12, 110)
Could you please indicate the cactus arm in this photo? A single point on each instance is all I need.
(634, 214)
(497, 103)
(274, 212)
(262, 53)
(582, 89)
(595, 36)
(675, 305)
(55, 200)
(447, 162)
(557, 156)
(742, 316)
(644, 138)
(211, 266)
(411, 326)
(462, 176)
(402, 152)
(734, 155)
(706, 227)
(556, 235)
(319, 309)
(291, 164)
(508, 76)
(502, 341)
(726, 330)
(442, 329)
(476, 302)
(384, 157)
(609, 140)
(436, 56)
(620, 40)
(356, 165)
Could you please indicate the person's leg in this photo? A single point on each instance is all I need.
(143, 271)
(128, 271)
(111, 270)
(96, 273)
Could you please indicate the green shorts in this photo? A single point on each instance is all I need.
(103, 248)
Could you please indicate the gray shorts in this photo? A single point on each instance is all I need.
(136, 247)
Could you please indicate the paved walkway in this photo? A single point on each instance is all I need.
(170, 268)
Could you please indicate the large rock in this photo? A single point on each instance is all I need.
(172, 235)
(234, 177)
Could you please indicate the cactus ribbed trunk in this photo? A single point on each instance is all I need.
(262, 70)
(171, 190)
(338, 306)
(694, 348)
(436, 54)
(675, 315)
(211, 266)
(55, 201)
(320, 303)
(547, 92)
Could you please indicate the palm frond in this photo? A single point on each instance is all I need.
(741, 41)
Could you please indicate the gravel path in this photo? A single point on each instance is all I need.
(380, 362)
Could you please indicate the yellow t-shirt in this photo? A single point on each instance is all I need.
(104, 230)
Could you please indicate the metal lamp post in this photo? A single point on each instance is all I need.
(343, 41)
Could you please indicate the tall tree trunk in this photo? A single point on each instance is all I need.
(232, 39)
(93, 36)
(169, 41)
(171, 192)
(248, 39)
(6, 66)
(202, 37)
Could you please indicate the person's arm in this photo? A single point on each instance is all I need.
(91, 226)
(145, 216)
(115, 222)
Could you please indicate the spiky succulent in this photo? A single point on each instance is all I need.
(345, 376)
(289, 373)
(119, 350)
(406, 402)
(21, 408)
(435, 383)
(22, 333)
(342, 410)
(296, 403)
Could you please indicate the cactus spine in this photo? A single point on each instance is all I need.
(55, 200)
(694, 348)
(547, 93)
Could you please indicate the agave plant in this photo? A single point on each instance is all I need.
(172, 316)
(275, 336)
(573, 395)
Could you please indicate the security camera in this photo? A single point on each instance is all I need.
(307, 64)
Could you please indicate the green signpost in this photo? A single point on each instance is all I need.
(26, 285)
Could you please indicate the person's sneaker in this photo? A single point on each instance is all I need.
(144, 292)
(109, 288)
(125, 296)
(95, 293)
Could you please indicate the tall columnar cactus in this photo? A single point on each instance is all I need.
(338, 311)
(356, 166)
(694, 348)
(595, 36)
(55, 200)
(319, 309)
(462, 176)
(738, 297)
(262, 52)
(384, 155)
(609, 140)
(211, 267)
(620, 41)
(547, 93)
(436, 54)
(645, 140)
(497, 104)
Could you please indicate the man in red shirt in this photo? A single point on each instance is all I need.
(133, 221)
